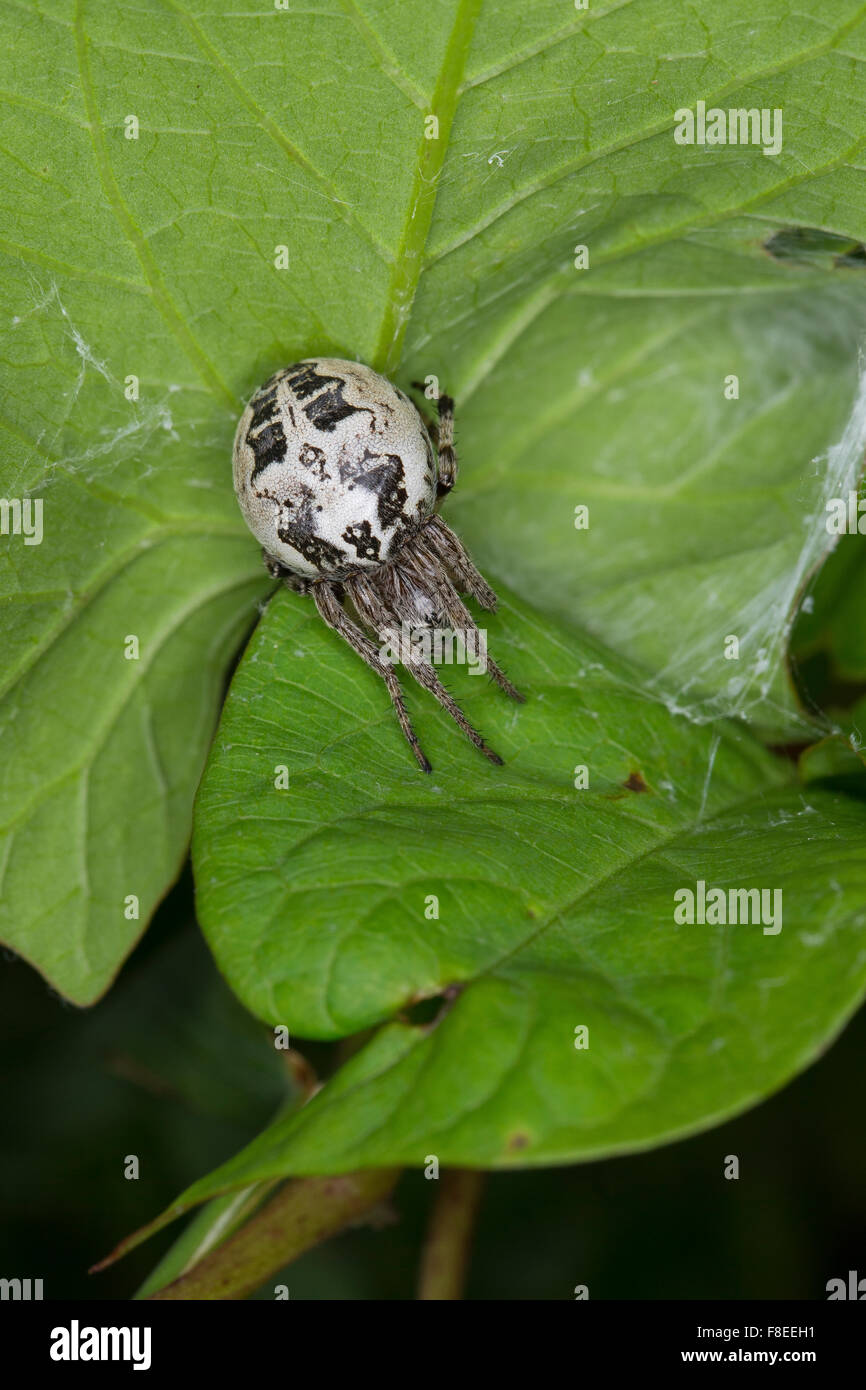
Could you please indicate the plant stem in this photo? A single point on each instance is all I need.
(303, 1213)
(446, 1250)
(209, 1227)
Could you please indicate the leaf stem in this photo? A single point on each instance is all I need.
(445, 1257)
(303, 1213)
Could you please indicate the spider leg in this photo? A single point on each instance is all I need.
(445, 552)
(277, 570)
(426, 676)
(459, 617)
(381, 611)
(445, 445)
(336, 617)
(444, 440)
(451, 553)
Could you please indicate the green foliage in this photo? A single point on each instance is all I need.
(156, 258)
(555, 905)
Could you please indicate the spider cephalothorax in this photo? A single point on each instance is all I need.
(337, 478)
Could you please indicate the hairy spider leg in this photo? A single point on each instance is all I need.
(444, 440)
(455, 559)
(384, 611)
(335, 615)
(458, 616)
(445, 445)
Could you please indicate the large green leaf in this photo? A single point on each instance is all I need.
(305, 128)
(555, 904)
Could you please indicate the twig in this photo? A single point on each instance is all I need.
(302, 1214)
(446, 1250)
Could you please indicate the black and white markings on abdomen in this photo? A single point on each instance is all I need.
(336, 477)
(381, 474)
(265, 435)
(333, 467)
(327, 405)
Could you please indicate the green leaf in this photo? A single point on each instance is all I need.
(104, 753)
(555, 905)
(154, 257)
(706, 516)
(208, 1229)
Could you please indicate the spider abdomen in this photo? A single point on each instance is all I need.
(337, 478)
(333, 468)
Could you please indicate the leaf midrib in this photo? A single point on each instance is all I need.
(430, 157)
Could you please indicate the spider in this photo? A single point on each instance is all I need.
(338, 480)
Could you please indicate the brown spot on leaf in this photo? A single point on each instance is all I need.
(518, 1141)
(635, 782)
